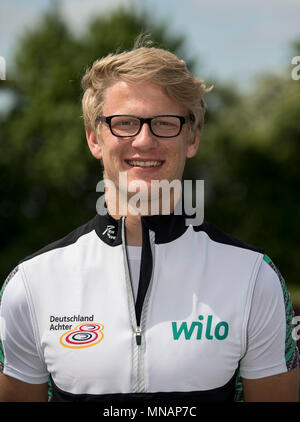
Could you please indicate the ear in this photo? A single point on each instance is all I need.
(192, 146)
(94, 144)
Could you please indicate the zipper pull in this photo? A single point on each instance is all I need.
(138, 336)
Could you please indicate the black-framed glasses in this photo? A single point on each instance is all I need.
(164, 126)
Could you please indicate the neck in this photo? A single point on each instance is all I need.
(133, 227)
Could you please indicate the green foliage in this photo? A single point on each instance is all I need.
(248, 151)
(48, 177)
(249, 158)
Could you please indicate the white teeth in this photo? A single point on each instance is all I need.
(145, 163)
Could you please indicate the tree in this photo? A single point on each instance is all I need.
(248, 152)
(251, 160)
(48, 177)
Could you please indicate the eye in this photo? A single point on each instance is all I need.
(121, 121)
(162, 123)
(127, 123)
(168, 122)
(124, 125)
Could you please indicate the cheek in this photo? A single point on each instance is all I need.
(112, 157)
(176, 161)
(181, 153)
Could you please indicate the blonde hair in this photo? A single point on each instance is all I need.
(143, 63)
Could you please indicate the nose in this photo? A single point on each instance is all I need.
(145, 139)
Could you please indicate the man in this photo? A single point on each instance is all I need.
(139, 306)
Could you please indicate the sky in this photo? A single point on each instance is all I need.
(232, 40)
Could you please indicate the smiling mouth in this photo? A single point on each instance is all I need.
(138, 163)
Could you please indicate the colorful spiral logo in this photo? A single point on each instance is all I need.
(83, 335)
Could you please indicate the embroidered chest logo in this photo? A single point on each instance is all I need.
(219, 332)
(110, 232)
(83, 335)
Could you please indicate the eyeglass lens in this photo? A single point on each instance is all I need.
(161, 126)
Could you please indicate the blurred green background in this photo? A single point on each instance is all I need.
(248, 155)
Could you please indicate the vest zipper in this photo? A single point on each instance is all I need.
(138, 382)
(138, 336)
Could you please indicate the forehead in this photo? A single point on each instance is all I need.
(143, 99)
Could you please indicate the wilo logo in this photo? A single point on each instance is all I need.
(2, 69)
(220, 332)
(296, 70)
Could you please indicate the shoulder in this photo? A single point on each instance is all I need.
(272, 291)
(13, 297)
(222, 237)
(270, 277)
(13, 289)
(70, 239)
(13, 303)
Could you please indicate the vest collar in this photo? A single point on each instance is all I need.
(166, 227)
